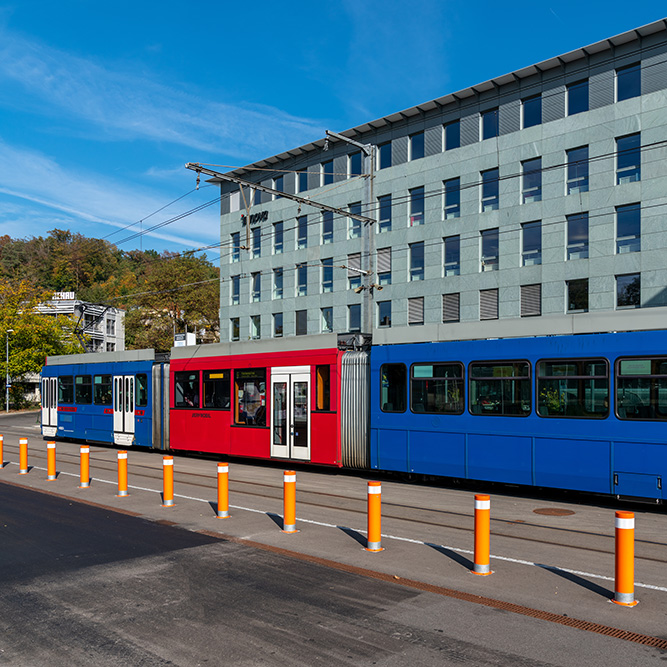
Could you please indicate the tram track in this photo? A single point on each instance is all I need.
(199, 480)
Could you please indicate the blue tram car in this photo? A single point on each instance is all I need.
(582, 412)
(119, 398)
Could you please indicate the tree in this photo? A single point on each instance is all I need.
(33, 336)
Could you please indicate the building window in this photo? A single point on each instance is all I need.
(489, 248)
(384, 204)
(326, 320)
(452, 135)
(384, 313)
(354, 225)
(628, 291)
(354, 270)
(327, 227)
(417, 261)
(531, 300)
(301, 279)
(628, 82)
(327, 172)
(532, 181)
(577, 170)
(236, 246)
(452, 255)
(111, 327)
(257, 197)
(531, 109)
(234, 332)
(628, 159)
(277, 325)
(302, 181)
(301, 322)
(490, 123)
(531, 243)
(577, 236)
(452, 201)
(256, 242)
(384, 155)
(416, 311)
(488, 304)
(236, 290)
(490, 190)
(327, 275)
(416, 206)
(628, 228)
(577, 97)
(279, 185)
(354, 162)
(235, 201)
(451, 307)
(354, 317)
(278, 238)
(577, 296)
(384, 266)
(278, 283)
(256, 286)
(416, 146)
(255, 327)
(301, 232)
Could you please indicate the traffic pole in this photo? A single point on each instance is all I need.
(374, 541)
(289, 502)
(624, 588)
(482, 534)
(2, 454)
(50, 461)
(122, 474)
(85, 467)
(223, 491)
(23, 456)
(168, 481)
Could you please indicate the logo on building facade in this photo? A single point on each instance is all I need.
(255, 218)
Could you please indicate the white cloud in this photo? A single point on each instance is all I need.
(74, 199)
(125, 105)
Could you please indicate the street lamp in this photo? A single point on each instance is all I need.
(7, 385)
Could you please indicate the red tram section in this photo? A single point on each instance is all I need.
(260, 399)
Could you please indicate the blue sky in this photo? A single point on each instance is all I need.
(101, 104)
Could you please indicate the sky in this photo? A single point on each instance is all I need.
(102, 104)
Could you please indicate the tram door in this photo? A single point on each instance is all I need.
(290, 412)
(50, 407)
(123, 410)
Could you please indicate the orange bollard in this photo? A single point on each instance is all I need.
(2, 453)
(168, 481)
(23, 456)
(50, 461)
(85, 467)
(223, 491)
(289, 502)
(122, 474)
(482, 534)
(624, 588)
(374, 541)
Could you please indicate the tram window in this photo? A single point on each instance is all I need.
(250, 397)
(393, 388)
(216, 389)
(66, 389)
(102, 392)
(437, 388)
(500, 388)
(83, 389)
(142, 390)
(186, 389)
(573, 388)
(641, 388)
(323, 388)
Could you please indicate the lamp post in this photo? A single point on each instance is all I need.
(7, 377)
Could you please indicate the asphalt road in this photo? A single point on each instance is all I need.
(86, 585)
